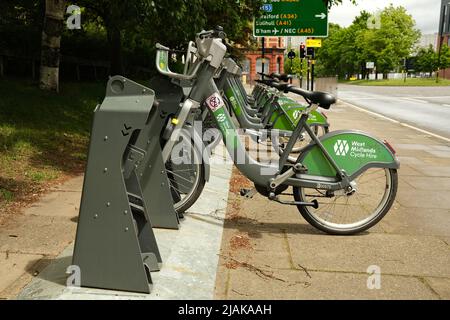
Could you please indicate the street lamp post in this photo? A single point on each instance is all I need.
(441, 39)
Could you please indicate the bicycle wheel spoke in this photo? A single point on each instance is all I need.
(354, 210)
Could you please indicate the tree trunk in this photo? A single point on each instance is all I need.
(115, 47)
(51, 44)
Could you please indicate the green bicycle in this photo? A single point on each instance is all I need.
(343, 183)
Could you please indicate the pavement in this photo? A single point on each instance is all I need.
(37, 248)
(233, 248)
(270, 252)
(425, 107)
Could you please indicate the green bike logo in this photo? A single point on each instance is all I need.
(341, 148)
(221, 118)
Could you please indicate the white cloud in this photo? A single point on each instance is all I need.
(425, 12)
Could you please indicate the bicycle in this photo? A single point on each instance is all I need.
(345, 170)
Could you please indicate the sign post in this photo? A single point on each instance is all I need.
(293, 18)
(314, 43)
(263, 62)
(291, 56)
(370, 66)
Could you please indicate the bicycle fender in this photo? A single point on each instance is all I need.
(353, 151)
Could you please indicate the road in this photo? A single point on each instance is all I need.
(427, 108)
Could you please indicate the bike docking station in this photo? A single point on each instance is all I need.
(126, 192)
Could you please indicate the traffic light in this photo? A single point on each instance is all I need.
(310, 53)
(302, 51)
(410, 64)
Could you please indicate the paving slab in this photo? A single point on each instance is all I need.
(190, 255)
(297, 285)
(394, 254)
(426, 199)
(436, 184)
(440, 286)
(33, 234)
(411, 244)
(13, 266)
(418, 221)
(73, 185)
(60, 203)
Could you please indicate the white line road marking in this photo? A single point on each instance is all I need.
(397, 122)
(435, 97)
(415, 100)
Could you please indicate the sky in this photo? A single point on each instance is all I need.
(425, 12)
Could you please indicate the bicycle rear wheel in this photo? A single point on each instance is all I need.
(340, 213)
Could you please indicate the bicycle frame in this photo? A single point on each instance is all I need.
(208, 94)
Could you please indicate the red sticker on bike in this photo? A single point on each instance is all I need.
(215, 102)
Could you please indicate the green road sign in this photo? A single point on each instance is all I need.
(292, 18)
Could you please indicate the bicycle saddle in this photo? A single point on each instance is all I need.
(280, 86)
(322, 99)
(282, 77)
(267, 82)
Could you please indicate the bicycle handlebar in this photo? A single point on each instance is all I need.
(162, 64)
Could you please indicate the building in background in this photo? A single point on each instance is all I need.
(294, 42)
(274, 58)
(444, 31)
(428, 40)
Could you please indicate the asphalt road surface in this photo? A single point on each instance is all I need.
(427, 108)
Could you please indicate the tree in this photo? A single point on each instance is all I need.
(295, 66)
(444, 61)
(172, 22)
(51, 42)
(346, 50)
(427, 60)
(393, 41)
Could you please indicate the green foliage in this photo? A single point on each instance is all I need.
(21, 27)
(296, 66)
(428, 60)
(346, 50)
(126, 31)
(444, 60)
(43, 135)
(410, 82)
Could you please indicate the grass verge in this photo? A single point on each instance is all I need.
(413, 82)
(43, 137)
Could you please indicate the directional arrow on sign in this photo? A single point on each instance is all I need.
(321, 16)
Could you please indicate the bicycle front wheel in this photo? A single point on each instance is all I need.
(342, 213)
(186, 173)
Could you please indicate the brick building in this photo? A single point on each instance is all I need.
(274, 56)
(444, 23)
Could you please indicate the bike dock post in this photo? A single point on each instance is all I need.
(115, 246)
